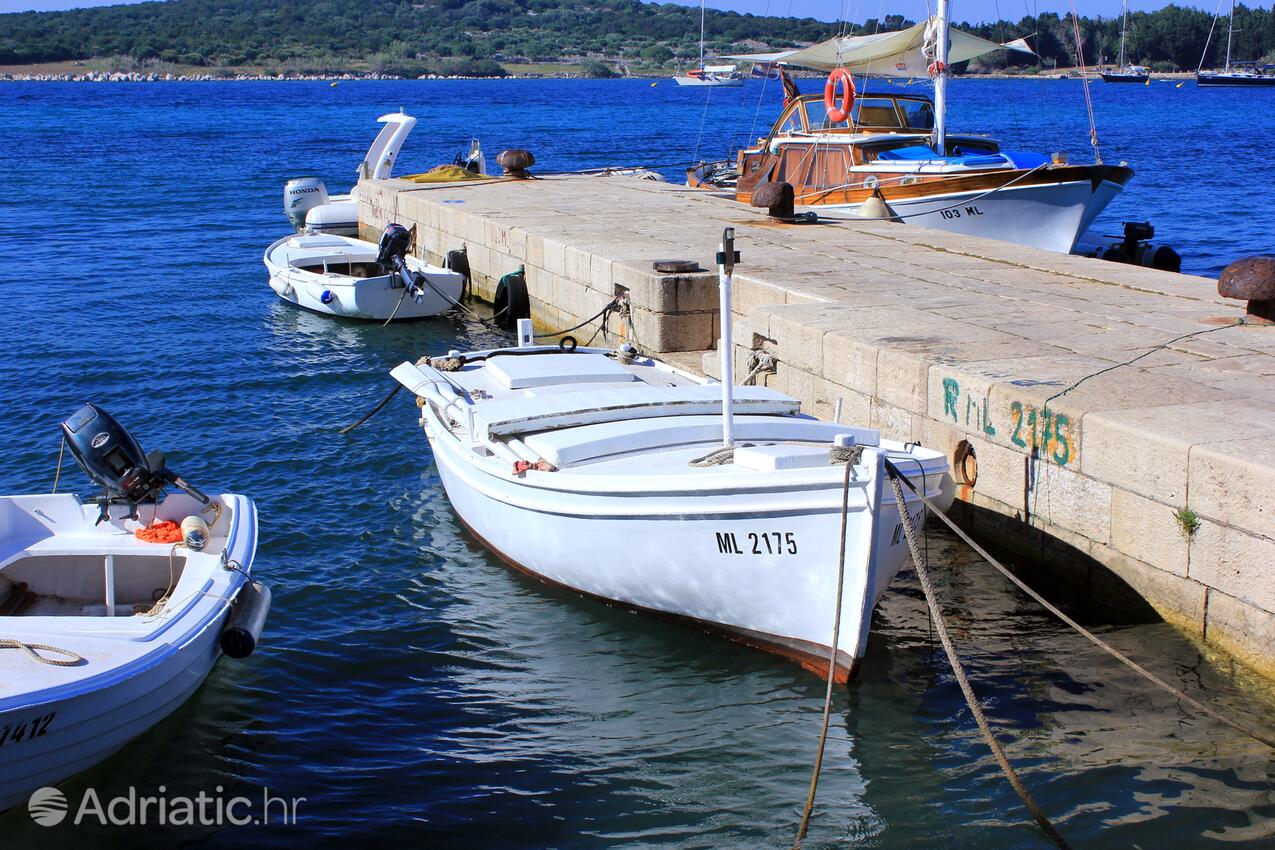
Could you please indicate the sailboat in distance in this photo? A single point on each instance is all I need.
(1130, 73)
(709, 75)
(1234, 73)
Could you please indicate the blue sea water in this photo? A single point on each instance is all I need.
(413, 690)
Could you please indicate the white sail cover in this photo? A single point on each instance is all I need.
(905, 53)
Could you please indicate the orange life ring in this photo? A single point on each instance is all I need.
(839, 75)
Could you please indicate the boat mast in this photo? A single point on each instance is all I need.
(1230, 31)
(701, 34)
(1124, 30)
(940, 79)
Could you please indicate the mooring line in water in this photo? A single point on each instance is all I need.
(348, 428)
(940, 626)
(832, 662)
(1085, 633)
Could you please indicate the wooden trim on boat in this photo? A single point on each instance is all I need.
(810, 656)
(982, 181)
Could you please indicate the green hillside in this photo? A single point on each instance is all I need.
(413, 37)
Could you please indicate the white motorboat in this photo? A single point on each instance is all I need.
(308, 205)
(343, 276)
(618, 476)
(103, 634)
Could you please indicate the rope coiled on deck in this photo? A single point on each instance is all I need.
(34, 650)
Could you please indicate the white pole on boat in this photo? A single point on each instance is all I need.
(1230, 32)
(1124, 30)
(940, 78)
(110, 585)
(726, 257)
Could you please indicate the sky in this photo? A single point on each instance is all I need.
(829, 10)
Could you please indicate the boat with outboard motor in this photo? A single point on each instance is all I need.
(886, 155)
(628, 479)
(311, 209)
(113, 612)
(350, 278)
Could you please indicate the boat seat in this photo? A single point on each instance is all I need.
(567, 446)
(507, 417)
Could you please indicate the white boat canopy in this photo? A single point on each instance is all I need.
(904, 53)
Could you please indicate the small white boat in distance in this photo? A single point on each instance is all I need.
(103, 634)
(341, 276)
(711, 75)
(617, 476)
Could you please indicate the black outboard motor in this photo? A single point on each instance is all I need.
(395, 242)
(110, 456)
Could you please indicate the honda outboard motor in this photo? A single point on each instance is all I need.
(110, 456)
(301, 195)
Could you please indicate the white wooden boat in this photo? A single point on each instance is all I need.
(581, 469)
(103, 634)
(709, 75)
(340, 276)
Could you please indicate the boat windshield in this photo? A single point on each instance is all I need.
(876, 112)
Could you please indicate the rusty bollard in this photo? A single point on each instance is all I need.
(1251, 279)
(516, 161)
(777, 198)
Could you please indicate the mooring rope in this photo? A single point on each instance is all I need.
(57, 473)
(348, 428)
(940, 626)
(1085, 633)
(832, 662)
(34, 650)
(612, 305)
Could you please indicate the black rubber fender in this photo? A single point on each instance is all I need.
(512, 301)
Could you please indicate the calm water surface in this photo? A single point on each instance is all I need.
(412, 689)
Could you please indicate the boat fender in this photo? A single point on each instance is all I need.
(511, 300)
(458, 261)
(195, 533)
(839, 76)
(327, 297)
(568, 344)
(247, 618)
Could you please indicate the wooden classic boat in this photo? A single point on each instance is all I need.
(103, 632)
(844, 148)
(620, 477)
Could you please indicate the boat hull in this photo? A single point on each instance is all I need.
(1235, 80)
(1125, 78)
(1052, 216)
(758, 565)
(693, 82)
(71, 726)
(370, 298)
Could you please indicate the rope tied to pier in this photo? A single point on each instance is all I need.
(940, 627)
(832, 663)
(849, 455)
(717, 457)
(759, 362)
(612, 306)
(1085, 633)
(33, 650)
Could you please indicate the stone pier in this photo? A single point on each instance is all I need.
(1111, 425)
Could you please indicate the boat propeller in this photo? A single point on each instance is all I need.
(109, 455)
(391, 252)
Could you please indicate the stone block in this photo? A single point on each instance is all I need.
(1244, 630)
(797, 343)
(856, 408)
(1234, 482)
(850, 362)
(555, 257)
(894, 423)
(902, 379)
(1239, 564)
(1178, 600)
(1148, 531)
(1073, 501)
